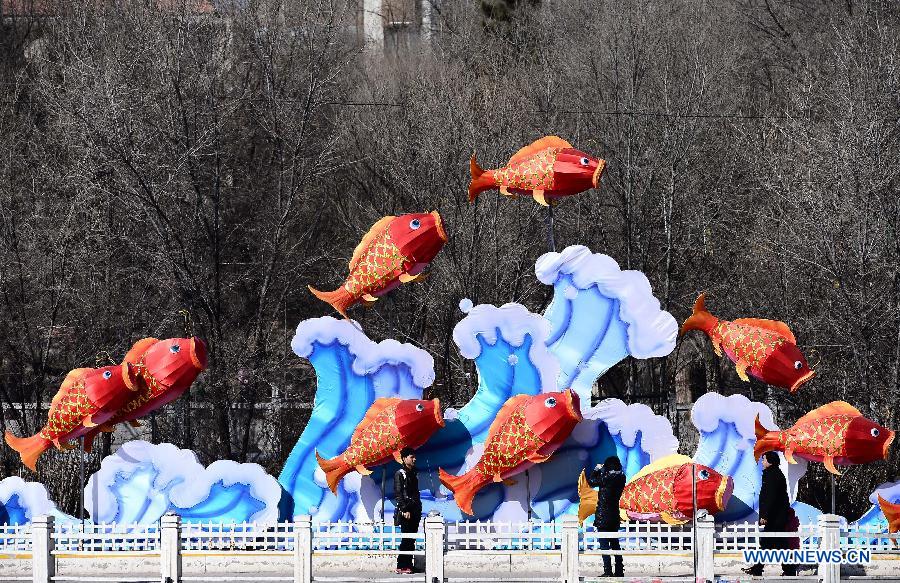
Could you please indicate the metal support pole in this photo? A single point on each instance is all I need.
(551, 243)
(694, 516)
(81, 484)
(833, 493)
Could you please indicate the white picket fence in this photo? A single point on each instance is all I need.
(294, 544)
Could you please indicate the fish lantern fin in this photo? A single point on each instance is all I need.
(498, 478)
(717, 347)
(669, 519)
(335, 469)
(376, 230)
(891, 513)
(538, 145)
(537, 458)
(138, 349)
(539, 197)
(397, 457)
(504, 190)
(741, 367)
(829, 409)
(407, 278)
(779, 328)
(789, 455)
(363, 470)
(29, 448)
(370, 298)
(88, 421)
(375, 409)
(829, 465)
(587, 499)
(505, 411)
(63, 446)
(623, 514)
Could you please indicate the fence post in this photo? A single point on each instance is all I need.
(830, 536)
(706, 547)
(435, 535)
(170, 548)
(43, 563)
(569, 562)
(303, 547)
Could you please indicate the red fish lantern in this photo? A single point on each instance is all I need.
(527, 431)
(395, 250)
(87, 396)
(548, 169)
(389, 425)
(892, 515)
(165, 370)
(766, 349)
(663, 491)
(835, 434)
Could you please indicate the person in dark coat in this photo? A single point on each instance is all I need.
(407, 506)
(775, 512)
(611, 480)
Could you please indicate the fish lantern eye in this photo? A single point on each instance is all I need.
(585, 161)
(174, 349)
(703, 474)
(798, 365)
(550, 402)
(420, 407)
(107, 374)
(415, 224)
(875, 432)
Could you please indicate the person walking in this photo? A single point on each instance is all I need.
(775, 512)
(611, 480)
(407, 507)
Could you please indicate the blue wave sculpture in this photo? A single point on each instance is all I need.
(599, 315)
(140, 482)
(21, 501)
(351, 372)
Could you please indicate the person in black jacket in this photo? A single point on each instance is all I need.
(407, 506)
(611, 480)
(774, 511)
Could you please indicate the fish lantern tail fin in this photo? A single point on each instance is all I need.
(339, 299)
(764, 441)
(701, 319)
(335, 469)
(29, 448)
(481, 180)
(463, 489)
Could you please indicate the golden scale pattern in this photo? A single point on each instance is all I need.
(748, 343)
(68, 412)
(534, 173)
(653, 492)
(506, 449)
(379, 438)
(820, 437)
(381, 262)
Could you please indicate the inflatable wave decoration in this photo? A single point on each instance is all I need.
(141, 481)
(599, 315)
(726, 445)
(21, 501)
(351, 372)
